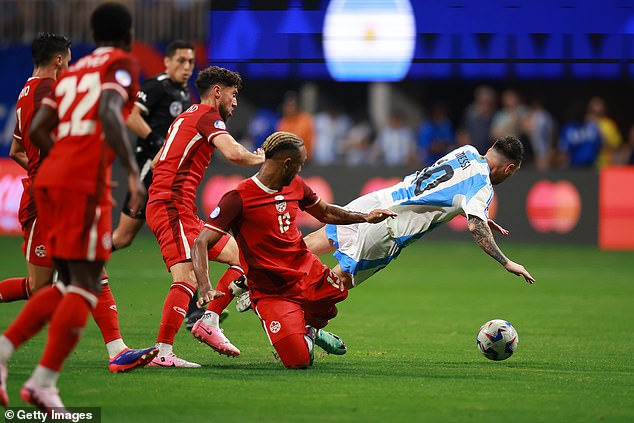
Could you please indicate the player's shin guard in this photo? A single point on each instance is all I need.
(174, 310)
(295, 351)
(66, 326)
(35, 314)
(14, 289)
(219, 304)
(106, 315)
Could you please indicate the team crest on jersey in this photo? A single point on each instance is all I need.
(220, 124)
(106, 241)
(275, 326)
(280, 206)
(176, 108)
(215, 212)
(123, 77)
(40, 251)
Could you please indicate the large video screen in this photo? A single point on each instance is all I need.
(391, 40)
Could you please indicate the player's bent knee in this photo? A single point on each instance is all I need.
(293, 351)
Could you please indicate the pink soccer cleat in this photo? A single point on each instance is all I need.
(170, 360)
(215, 338)
(4, 396)
(46, 399)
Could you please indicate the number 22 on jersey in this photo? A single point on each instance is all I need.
(68, 89)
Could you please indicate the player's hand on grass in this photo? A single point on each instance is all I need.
(495, 227)
(379, 215)
(137, 192)
(519, 270)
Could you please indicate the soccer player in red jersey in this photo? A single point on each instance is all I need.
(292, 292)
(171, 211)
(51, 54)
(86, 111)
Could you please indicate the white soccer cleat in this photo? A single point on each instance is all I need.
(243, 302)
(45, 398)
(170, 360)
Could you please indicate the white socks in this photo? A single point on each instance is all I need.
(6, 349)
(164, 349)
(211, 319)
(115, 347)
(44, 377)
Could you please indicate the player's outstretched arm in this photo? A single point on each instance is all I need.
(484, 238)
(236, 153)
(496, 227)
(116, 135)
(204, 241)
(40, 132)
(329, 213)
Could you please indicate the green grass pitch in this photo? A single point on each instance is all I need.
(410, 332)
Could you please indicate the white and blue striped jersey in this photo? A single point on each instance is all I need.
(458, 183)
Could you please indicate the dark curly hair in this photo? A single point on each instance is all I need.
(215, 75)
(48, 45)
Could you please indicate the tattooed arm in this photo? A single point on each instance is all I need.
(484, 238)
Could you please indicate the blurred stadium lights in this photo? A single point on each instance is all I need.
(156, 21)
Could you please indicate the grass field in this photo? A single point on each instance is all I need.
(410, 332)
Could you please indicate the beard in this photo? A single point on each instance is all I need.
(224, 112)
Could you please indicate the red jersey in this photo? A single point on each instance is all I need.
(29, 101)
(80, 159)
(186, 155)
(263, 224)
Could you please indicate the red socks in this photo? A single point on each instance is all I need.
(219, 304)
(34, 315)
(14, 289)
(66, 326)
(106, 315)
(174, 310)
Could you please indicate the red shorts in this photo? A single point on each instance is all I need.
(282, 316)
(77, 226)
(176, 227)
(35, 246)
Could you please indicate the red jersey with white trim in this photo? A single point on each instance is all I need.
(186, 155)
(263, 224)
(80, 159)
(29, 100)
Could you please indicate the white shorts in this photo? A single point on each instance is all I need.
(363, 248)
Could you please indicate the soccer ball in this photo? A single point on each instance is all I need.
(497, 340)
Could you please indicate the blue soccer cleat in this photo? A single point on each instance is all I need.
(129, 359)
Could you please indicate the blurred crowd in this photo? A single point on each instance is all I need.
(586, 137)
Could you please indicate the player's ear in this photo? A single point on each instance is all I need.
(510, 168)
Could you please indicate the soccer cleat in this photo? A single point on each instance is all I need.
(171, 360)
(46, 399)
(4, 396)
(239, 286)
(192, 318)
(215, 338)
(243, 302)
(330, 342)
(129, 359)
(309, 337)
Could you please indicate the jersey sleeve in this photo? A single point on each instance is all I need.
(310, 198)
(478, 200)
(122, 76)
(211, 125)
(226, 213)
(149, 95)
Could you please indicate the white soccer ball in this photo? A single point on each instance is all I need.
(497, 340)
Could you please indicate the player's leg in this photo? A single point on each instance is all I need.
(38, 261)
(283, 322)
(319, 243)
(181, 291)
(321, 295)
(67, 323)
(207, 328)
(121, 358)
